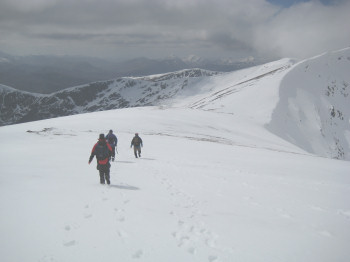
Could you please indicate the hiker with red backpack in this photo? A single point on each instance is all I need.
(103, 152)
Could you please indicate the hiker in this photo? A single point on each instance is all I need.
(103, 151)
(137, 143)
(112, 141)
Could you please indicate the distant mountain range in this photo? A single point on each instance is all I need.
(48, 74)
(19, 106)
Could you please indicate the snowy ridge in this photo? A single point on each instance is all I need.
(195, 72)
(313, 111)
(48, 74)
(305, 104)
(213, 183)
(241, 80)
(4, 88)
(19, 107)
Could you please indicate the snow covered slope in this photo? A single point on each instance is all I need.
(307, 103)
(210, 186)
(313, 111)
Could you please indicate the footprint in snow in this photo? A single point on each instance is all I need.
(213, 259)
(192, 250)
(121, 219)
(122, 234)
(210, 242)
(283, 213)
(70, 243)
(70, 226)
(48, 258)
(138, 254)
(88, 215)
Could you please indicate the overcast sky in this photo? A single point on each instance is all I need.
(158, 28)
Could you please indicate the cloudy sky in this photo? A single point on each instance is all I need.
(125, 29)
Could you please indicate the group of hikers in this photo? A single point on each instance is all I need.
(105, 150)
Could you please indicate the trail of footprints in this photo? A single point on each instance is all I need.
(119, 214)
(191, 233)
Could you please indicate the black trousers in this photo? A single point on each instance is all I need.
(137, 149)
(104, 173)
(113, 152)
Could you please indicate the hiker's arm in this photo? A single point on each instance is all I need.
(92, 154)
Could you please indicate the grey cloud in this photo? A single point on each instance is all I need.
(229, 42)
(305, 30)
(220, 26)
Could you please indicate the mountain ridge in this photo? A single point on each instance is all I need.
(305, 103)
(20, 107)
(47, 74)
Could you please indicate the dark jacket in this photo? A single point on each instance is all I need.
(93, 153)
(136, 141)
(112, 139)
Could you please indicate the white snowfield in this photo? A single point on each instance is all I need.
(239, 168)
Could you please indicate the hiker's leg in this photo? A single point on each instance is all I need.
(102, 176)
(107, 176)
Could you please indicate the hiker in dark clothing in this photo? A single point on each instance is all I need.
(112, 141)
(137, 143)
(103, 151)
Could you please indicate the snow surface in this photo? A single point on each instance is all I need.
(313, 111)
(213, 184)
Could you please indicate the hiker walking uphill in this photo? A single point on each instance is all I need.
(103, 151)
(137, 143)
(112, 141)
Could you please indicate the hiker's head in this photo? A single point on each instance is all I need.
(111, 131)
(102, 137)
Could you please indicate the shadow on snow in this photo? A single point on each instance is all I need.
(126, 187)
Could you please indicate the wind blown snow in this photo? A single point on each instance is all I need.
(213, 183)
